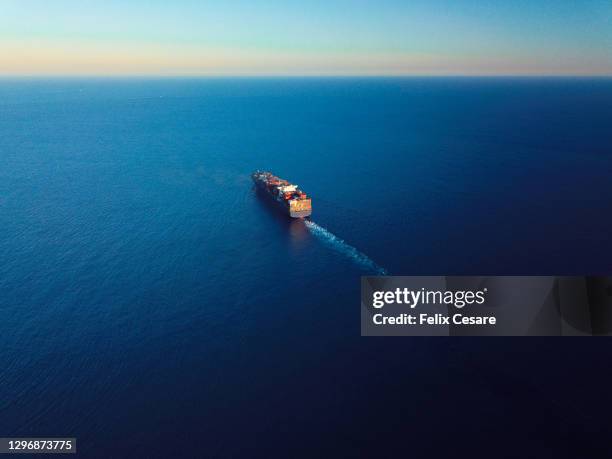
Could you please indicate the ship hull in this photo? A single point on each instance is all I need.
(299, 213)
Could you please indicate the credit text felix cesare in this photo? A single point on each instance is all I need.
(414, 298)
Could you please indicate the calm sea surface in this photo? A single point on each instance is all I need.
(153, 305)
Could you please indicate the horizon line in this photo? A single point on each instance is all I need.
(322, 75)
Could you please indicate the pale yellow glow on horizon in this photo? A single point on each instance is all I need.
(44, 58)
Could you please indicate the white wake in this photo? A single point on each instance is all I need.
(345, 249)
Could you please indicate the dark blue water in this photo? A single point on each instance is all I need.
(152, 304)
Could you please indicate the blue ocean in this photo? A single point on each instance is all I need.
(154, 305)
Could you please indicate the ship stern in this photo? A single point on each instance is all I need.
(300, 208)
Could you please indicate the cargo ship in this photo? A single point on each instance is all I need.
(292, 200)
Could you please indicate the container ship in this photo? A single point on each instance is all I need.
(292, 200)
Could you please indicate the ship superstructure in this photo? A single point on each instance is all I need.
(291, 199)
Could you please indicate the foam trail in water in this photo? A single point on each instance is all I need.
(345, 249)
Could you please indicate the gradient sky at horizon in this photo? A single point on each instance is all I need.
(288, 37)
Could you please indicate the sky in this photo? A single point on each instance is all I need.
(316, 37)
